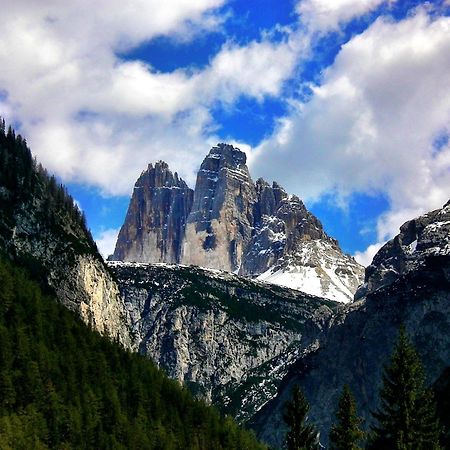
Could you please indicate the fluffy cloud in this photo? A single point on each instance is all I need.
(92, 117)
(370, 126)
(256, 70)
(365, 257)
(325, 15)
(106, 241)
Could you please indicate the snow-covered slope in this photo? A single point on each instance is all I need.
(319, 268)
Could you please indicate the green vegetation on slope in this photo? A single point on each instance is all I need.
(406, 418)
(28, 194)
(64, 386)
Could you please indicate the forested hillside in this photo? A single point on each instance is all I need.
(24, 181)
(64, 386)
(43, 229)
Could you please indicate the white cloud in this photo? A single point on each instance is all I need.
(365, 257)
(110, 152)
(110, 23)
(326, 15)
(256, 70)
(106, 241)
(94, 118)
(370, 125)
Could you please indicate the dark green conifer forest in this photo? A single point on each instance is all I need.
(64, 386)
(24, 182)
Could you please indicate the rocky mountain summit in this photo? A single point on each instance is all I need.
(407, 284)
(156, 218)
(220, 224)
(419, 240)
(231, 223)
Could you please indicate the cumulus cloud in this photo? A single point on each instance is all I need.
(106, 241)
(326, 15)
(365, 257)
(95, 118)
(371, 124)
(256, 70)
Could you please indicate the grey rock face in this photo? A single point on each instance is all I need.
(228, 338)
(220, 224)
(363, 335)
(420, 238)
(154, 225)
(232, 224)
(63, 257)
(290, 248)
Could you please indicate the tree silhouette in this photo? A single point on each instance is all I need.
(406, 418)
(301, 435)
(345, 433)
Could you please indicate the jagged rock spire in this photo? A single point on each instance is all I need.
(154, 225)
(219, 226)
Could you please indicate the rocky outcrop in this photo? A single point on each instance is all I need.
(228, 338)
(233, 224)
(62, 257)
(220, 224)
(290, 248)
(154, 225)
(361, 340)
(420, 238)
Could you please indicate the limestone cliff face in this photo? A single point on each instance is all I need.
(228, 338)
(220, 224)
(408, 284)
(92, 290)
(154, 225)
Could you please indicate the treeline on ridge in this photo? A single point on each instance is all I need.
(23, 180)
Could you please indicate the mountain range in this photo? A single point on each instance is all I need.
(230, 223)
(232, 338)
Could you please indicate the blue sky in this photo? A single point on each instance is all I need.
(345, 103)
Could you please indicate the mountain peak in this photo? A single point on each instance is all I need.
(230, 155)
(219, 226)
(156, 216)
(159, 176)
(419, 239)
(231, 223)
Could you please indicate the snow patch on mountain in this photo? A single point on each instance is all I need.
(319, 268)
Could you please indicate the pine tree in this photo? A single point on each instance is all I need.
(301, 435)
(406, 418)
(346, 434)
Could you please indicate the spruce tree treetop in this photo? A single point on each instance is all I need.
(406, 417)
(346, 434)
(301, 435)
